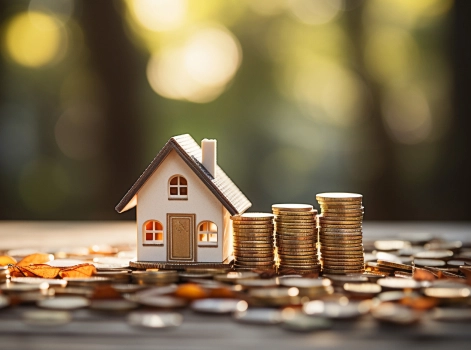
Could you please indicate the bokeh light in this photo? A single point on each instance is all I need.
(407, 115)
(158, 15)
(315, 12)
(200, 69)
(34, 39)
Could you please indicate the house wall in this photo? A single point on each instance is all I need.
(153, 204)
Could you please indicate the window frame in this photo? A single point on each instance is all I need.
(154, 231)
(179, 188)
(208, 232)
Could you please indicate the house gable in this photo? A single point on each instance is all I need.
(190, 152)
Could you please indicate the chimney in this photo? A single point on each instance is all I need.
(208, 150)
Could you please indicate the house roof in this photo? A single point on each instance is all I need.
(221, 186)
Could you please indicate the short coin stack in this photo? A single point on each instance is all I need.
(340, 232)
(296, 237)
(253, 240)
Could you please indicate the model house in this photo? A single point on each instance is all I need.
(184, 202)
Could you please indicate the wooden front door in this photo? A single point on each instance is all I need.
(181, 237)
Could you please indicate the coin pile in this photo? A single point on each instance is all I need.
(296, 237)
(155, 277)
(340, 232)
(253, 240)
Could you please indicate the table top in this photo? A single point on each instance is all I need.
(92, 330)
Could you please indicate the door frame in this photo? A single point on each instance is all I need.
(192, 237)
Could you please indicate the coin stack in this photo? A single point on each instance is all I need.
(253, 240)
(296, 237)
(340, 232)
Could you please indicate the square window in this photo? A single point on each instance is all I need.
(174, 191)
(213, 237)
(203, 237)
(149, 236)
(183, 191)
(159, 236)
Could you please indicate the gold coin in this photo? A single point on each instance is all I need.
(295, 227)
(341, 207)
(298, 257)
(253, 217)
(341, 272)
(296, 237)
(254, 263)
(339, 235)
(338, 226)
(340, 221)
(394, 265)
(281, 213)
(335, 264)
(295, 245)
(249, 236)
(296, 249)
(254, 245)
(338, 243)
(252, 251)
(295, 232)
(342, 248)
(330, 242)
(347, 260)
(250, 255)
(335, 196)
(309, 266)
(340, 230)
(252, 227)
(241, 238)
(341, 254)
(347, 213)
(292, 207)
(256, 259)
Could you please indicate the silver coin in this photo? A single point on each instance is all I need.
(4, 301)
(299, 322)
(259, 316)
(341, 309)
(64, 303)
(113, 305)
(453, 314)
(400, 283)
(39, 281)
(9, 287)
(155, 319)
(395, 313)
(215, 305)
(161, 301)
(305, 282)
(46, 318)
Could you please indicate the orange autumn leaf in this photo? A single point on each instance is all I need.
(78, 271)
(42, 270)
(6, 260)
(38, 258)
(17, 271)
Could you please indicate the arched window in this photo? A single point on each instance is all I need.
(153, 232)
(207, 234)
(177, 187)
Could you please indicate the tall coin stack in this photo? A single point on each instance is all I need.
(296, 237)
(253, 240)
(340, 232)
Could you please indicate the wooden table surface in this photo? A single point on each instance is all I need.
(91, 330)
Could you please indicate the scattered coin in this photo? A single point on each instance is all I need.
(393, 313)
(299, 322)
(64, 303)
(215, 305)
(259, 316)
(46, 318)
(155, 319)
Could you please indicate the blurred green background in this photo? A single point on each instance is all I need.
(303, 96)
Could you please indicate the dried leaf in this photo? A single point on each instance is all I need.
(78, 271)
(17, 271)
(423, 275)
(41, 270)
(38, 258)
(6, 260)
